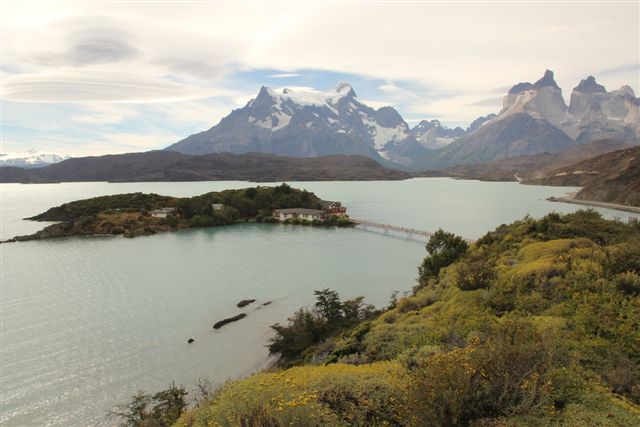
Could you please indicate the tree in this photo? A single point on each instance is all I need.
(444, 249)
(328, 305)
(250, 192)
(159, 410)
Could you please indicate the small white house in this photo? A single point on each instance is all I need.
(162, 212)
(299, 213)
(217, 206)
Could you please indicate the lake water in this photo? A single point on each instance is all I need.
(86, 322)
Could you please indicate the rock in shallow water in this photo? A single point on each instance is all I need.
(223, 322)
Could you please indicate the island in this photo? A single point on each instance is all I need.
(139, 214)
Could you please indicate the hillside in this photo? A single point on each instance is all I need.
(536, 324)
(172, 166)
(533, 166)
(613, 177)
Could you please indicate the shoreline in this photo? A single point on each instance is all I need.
(570, 199)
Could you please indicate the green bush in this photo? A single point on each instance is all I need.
(509, 373)
(172, 221)
(622, 259)
(474, 271)
(628, 283)
(444, 249)
(159, 410)
(307, 328)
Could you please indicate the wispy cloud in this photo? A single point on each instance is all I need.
(284, 75)
(112, 86)
(73, 71)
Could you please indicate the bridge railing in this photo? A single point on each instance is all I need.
(397, 228)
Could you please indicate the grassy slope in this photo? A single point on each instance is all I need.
(556, 311)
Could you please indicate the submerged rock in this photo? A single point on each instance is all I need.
(190, 340)
(223, 322)
(245, 302)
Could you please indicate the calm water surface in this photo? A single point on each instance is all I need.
(86, 322)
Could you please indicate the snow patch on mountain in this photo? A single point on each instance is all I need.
(384, 135)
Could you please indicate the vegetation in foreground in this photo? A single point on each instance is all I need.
(535, 324)
(129, 214)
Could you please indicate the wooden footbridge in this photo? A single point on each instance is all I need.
(396, 228)
(390, 227)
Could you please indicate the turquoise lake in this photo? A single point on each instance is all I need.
(86, 322)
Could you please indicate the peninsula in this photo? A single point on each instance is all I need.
(138, 214)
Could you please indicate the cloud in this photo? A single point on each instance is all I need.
(434, 60)
(390, 87)
(105, 114)
(376, 104)
(100, 45)
(127, 142)
(284, 75)
(100, 87)
(486, 102)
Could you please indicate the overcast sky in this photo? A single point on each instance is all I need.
(112, 77)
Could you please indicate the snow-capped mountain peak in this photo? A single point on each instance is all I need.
(305, 96)
(31, 159)
(433, 135)
(303, 121)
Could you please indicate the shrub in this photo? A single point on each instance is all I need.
(423, 298)
(172, 221)
(475, 271)
(343, 222)
(307, 328)
(622, 259)
(444, 249)
(628, 283)
(507, 374)
(159, 410)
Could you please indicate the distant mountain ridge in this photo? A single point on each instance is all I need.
(172, 166)
(534, 119)
(31, 159)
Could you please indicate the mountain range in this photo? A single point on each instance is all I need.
(534, 119)
(31, 159)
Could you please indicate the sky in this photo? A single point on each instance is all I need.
(98, 77)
